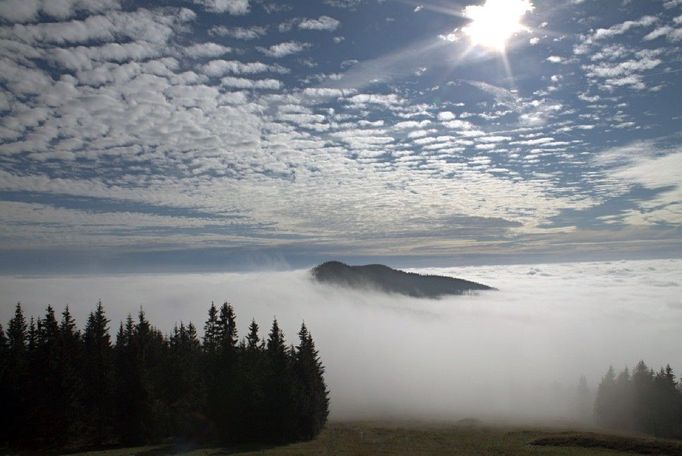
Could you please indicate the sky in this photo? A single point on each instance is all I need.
(215, 133)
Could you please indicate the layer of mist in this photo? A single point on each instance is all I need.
(516, 353)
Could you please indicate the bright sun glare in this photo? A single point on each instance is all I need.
(495, 22)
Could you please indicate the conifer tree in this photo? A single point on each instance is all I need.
(45, 381)
(61, 385)
(211, 330)
(5, 387)
(279, 419)
(312, 396)
(16, 404)
(130, 395)
(606, 399)
(624, 401)
(642, 384)
(227, 332)
(69, 359)
(223, 389)
(666, 404)
(97, 374)
(253, 339)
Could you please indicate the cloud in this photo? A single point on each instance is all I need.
(242, 83)
(346, 4)
(644, 164)
(234, 7)
(671, 33)
(625, 73)
(201, 50)
(325, 23)
(284, 49)
(619, 29)
(28, 10)
(135, 109)
(216, 68)
(239, 33)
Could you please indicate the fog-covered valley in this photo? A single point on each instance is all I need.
(513, 353)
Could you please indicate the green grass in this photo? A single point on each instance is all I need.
(373, 438)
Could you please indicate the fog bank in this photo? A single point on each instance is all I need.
(513, 353)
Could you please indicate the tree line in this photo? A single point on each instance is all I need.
(60, 386)
(643, 401)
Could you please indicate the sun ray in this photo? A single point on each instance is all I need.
(496, 21)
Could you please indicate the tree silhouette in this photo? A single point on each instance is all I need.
(644, 401)
(97, 376)
(312, 394)
(63, 387)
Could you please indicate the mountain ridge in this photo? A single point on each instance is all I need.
(388, 280)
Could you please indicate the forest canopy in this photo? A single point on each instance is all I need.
(60, 386)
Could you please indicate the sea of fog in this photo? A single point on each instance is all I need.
(513, 353)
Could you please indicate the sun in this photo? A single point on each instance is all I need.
(494, 22)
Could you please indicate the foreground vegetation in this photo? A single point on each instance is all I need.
(435, 439)
(60, 388)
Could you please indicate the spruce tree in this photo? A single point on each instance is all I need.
(279, 415)
(312, 401)
(667, 404)
(16, 406)
(605, 402)
(623, 409)
(223, 392)
(70, 358)
(211, 330)
(252, 406)
(5, 387)
(642, 384)
(130, 395)
(46, 383)
(97, 375)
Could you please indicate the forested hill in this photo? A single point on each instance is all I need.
(388, 280)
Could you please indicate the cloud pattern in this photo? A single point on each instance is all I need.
(262, 124)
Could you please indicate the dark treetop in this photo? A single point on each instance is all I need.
(388, 280)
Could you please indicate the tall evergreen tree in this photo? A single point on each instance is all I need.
(211, 330)
(16, 405)
(642, 384)
(666, 404)
(5, 387)
(279, 418)
(223, 390)
(46, 382)
(253, 339)
(69, 360)
(227, 329)
(605, 402)
(97, 374)
(130, 394)
(623, 414)
(312, 395)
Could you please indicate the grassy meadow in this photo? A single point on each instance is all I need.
(388, 438)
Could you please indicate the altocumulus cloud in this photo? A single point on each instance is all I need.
(229, 123)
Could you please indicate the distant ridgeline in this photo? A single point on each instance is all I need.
(383, 278)
(63, 388)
